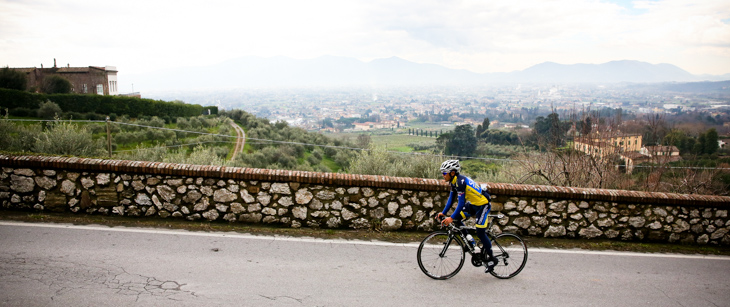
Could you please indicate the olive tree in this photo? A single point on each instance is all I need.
(12, 79)
(56, 85)
(65, 138)
(49, 110)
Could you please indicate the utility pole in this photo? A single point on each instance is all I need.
(109, 136)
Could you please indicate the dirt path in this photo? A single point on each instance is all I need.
(240, 141)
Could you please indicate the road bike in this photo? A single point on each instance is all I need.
(441, 254)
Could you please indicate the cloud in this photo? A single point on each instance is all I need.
(483, 36)
(505, 36)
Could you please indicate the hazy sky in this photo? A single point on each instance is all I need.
(482, 36)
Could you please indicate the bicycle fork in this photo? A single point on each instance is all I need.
(446, 246)
(468, 248)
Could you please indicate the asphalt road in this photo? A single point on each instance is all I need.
(65, 265)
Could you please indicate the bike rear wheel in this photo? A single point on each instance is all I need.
(440, 256)
(511, 254)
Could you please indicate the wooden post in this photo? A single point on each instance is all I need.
(108, 136)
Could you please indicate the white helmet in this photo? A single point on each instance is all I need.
(450, 165)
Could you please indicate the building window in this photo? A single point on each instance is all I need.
(86, 89)
(100, 89)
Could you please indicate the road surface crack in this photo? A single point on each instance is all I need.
(274, 298)
(63, 277)
(669, 297)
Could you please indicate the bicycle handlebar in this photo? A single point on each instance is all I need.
(451, 226)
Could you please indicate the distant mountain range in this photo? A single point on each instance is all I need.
(341, 71)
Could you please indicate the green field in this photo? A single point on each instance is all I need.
(396, 142)
(430, 126)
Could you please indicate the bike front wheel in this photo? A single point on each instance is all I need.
(511, 254)
(440, 256)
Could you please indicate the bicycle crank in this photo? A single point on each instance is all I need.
(476, 259)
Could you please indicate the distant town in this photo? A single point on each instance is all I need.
(508, 106)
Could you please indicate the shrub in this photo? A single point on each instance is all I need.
(156, 153)
(12, 79)
(49, 110)
(97, 128)
(313, 160)
(73, 115)
(23, 112)
(12, 99)
(65, 138)
(269, 157)
(56, 85)
(94, 116)
(154, 135)
(378, 161)
(7, 131)
(343, 157)
(201, 155)
(15, 137)
(101, 104)
(153, 122)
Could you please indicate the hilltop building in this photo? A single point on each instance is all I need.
(367, 126)
(625, 146)
(84, 80)
(601, 146)
(628, 147)
(661, 153)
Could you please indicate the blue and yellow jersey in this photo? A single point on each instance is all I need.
(463, 189)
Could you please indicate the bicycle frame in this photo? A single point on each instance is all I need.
(439, 260)
(455, 233)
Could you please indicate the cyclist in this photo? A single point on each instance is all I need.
(469, 202)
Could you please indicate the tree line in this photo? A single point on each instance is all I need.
(21, 103)
(18, 102)
(547, 157)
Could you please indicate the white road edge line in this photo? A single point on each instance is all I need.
(337, 241)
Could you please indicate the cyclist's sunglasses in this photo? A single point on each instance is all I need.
(445, 174)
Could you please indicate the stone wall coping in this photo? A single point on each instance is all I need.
(336, 179)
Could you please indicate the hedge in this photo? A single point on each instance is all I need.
(120, 105)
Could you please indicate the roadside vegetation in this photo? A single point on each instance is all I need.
(542, 154)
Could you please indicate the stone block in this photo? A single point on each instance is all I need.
(85, 200)
(303, 196)
(280, 188)
(391, 223)
(55, 202)
(299, 212)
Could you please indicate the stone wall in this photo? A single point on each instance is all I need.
(326, 200)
